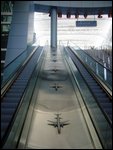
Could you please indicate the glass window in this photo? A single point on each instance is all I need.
(5, 28)
(3, 53)
(6, 18)
(6, 6)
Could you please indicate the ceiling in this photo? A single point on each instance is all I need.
(91, 7)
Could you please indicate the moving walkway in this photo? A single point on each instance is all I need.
(12, 100)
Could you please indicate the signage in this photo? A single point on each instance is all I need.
(86, 23)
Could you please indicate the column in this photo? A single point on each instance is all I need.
(54, 27)
(22, 27)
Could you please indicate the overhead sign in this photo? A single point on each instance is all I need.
(86, 23)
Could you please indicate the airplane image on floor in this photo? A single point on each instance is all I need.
(56, 86)
(58, 123)
(55, 70)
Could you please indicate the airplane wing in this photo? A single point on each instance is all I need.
(52, 123)
(64, 123)
(52, 86)
(60, 86)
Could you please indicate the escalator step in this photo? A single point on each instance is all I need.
(20, 83)
(21, 80)
(94, 86)
(108, 110)
(100, 95)
(18, 86)
(90, 81)
(10, 99)
(19, 90)
(9, 105)
(4, 125)
(13, 94)
(97, 91)
(7, 111)
(104, 99)
(6, 118)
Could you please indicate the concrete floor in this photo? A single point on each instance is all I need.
(51, 101)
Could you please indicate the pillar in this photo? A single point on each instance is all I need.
(54, 27)
(22, 28)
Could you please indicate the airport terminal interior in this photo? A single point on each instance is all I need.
(56, 74)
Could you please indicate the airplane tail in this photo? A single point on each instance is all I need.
(59, 118)
(58, 114)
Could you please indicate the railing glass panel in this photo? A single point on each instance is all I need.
(12, 67)
(101, 71)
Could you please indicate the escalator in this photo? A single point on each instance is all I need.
(11, 100)
(102, 98)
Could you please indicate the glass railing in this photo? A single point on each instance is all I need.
(101, 71)
(102, 126)
(13, 66)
